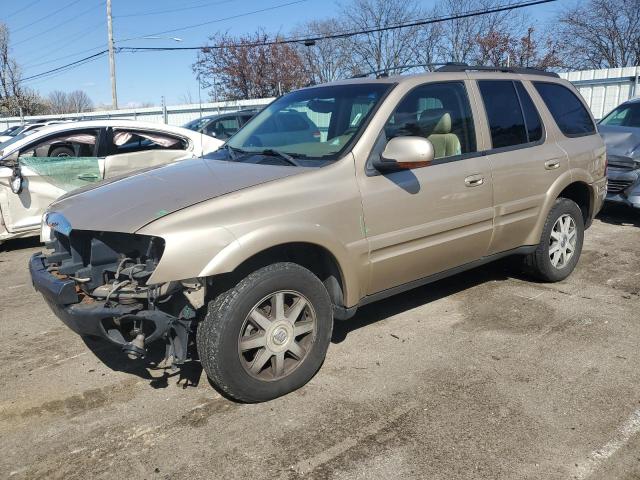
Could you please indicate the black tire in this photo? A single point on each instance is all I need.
(62, 152)
(539, 262)
(218, 334)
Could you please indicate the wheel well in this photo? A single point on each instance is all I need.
(579, 193)
(313, 257)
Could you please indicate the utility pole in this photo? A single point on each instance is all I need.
(112, 59)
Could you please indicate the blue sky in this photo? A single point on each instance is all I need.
(48, 33)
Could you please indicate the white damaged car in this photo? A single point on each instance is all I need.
(40, 165)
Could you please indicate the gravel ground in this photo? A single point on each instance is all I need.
(483, 375)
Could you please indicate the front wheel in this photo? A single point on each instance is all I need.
(560, 245)
(268, 335)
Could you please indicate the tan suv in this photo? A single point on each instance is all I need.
(259, 246)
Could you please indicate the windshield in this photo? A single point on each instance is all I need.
(314, 123)
(9, 131)
(625, 115)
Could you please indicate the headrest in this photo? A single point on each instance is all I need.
(435, 120)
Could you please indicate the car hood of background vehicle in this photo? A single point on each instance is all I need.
(128, 203)
(621, 141)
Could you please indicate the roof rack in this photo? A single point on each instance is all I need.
(463, 67)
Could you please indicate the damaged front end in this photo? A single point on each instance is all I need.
(97, 284)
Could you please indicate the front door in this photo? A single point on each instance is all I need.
(50, 167)
(427, 220)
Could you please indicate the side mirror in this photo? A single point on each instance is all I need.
(403, 153)
(16, 181)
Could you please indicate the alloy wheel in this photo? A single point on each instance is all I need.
(277, 335)
(562, 242)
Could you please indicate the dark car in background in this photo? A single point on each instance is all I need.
(621, 132)
(221, 126)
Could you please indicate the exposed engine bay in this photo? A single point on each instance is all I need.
(110, 295)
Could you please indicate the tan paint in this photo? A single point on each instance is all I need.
(383, 230)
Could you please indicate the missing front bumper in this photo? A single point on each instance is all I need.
(121, 325)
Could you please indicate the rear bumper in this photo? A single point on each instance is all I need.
(600, 192)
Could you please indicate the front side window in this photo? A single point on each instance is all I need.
(308, 125)
(439, 112)
(66, 160)
(567, 110)
(624, 116)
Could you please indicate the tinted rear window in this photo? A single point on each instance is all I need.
(567, 110)
(531, 115)
(506, 121)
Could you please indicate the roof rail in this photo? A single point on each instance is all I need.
(463, 67)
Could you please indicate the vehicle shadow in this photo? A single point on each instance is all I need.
(189, 374)
(20, 244)
(620, 215)
(151, 367)
(369, 314)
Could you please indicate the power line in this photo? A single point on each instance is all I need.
(72, 64)
(473, 13)
(43, 32)
(26, 7)
(31, 65)
(46, 16)
(188, 27)
(352, 33)
(172, 10)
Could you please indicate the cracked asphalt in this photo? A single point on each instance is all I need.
(485, 375)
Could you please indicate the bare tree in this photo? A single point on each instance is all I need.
(75, 102)
(251, 66)
(601, 34)
(325, 60)
(78, 101)
(459, 36)
(385, 50)
(58, 102)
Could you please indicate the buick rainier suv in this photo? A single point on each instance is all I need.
(250, 253)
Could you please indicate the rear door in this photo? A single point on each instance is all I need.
(50, 167)
(525, 160)
(129, 150)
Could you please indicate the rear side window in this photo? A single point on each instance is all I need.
(531, 115)
(567, 110)
(506, 120)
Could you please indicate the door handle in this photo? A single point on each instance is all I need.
(551, 164)
(474, 180)
(87, 176)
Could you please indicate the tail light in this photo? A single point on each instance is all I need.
(316, 134)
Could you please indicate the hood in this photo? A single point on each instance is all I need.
(128, 203)
(621, 141)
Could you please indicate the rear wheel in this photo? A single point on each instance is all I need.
(268, 335)
(561, 243)
(61, 152)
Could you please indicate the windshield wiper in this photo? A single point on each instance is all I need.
(277, 153)
(233, 152)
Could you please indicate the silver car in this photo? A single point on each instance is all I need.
(621, 132)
